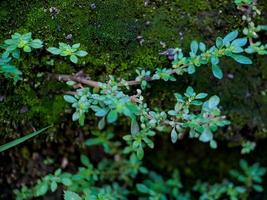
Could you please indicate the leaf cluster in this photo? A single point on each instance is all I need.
(70, 51)
(91, 182)
(12, 50)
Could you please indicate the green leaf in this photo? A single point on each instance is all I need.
(142, 188)
(76, 46)
(75, 116)
(230, 37)
(74, 59)
(127, 137)
(112, 116)
(70, 83)
(194, 46)
(133, 108)
(172, 112)
(102, 123)
(42, 189)
(53, 186)
(240, 42)
(22, 139)
(250, 50)
(36, 44)
(134, 127)
(54, 50)
(140, 153)
(65, 53)
(196, 103)
(237, 49)
(69, 99)
(5, 55)
(213, 102)
(85, 160)
(240, 189)
(101, 112)
(202, 46)
(219, 42)
(241, 59)
(136, 144)
(174, 135)
(16, 36)
(214, 60)
(58, 172)
(27, 36)
(66, 181)
(68, 195)
(10, 42)
(81, 119)
(217, 72)
(81, 53)
(190, 91)
(263, 27)
(10, 69)
(206, 135)
(191, 69)
(258, 188)
(16, 54)
(93, 142)
(201, 95)
(27, 49)
(63, 45)
(243, 164)
(149, 142)
(11, 48)
(213, 144)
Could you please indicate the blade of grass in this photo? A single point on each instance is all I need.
(22, 139)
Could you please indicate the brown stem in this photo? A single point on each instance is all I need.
(135, 82)
(85, 81)
(70, 92)
(250, 41)
(80, 78)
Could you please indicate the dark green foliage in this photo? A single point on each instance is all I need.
(90, 182)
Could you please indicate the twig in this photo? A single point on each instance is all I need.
(80, 78)
(75, 78)
(250, 41)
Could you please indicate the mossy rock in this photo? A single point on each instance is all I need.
(121, 37)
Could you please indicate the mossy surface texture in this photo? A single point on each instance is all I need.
(121, 36)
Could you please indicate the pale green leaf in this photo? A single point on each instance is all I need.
(242, 59)
(69, 99)
(68, 195)
(112, 116)
(74, 59)
(20, 140)
(217, 72)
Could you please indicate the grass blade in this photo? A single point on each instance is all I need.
(22, 139)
